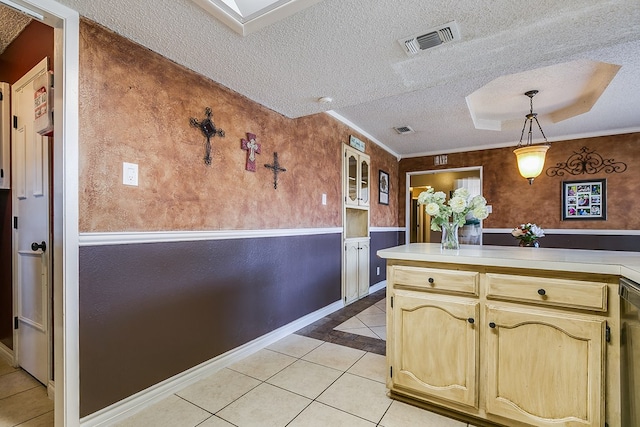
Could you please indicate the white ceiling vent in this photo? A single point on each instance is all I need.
(430, 38)
(403, 130)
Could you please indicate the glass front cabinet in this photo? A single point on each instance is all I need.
(357, 182)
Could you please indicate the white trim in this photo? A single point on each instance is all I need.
(407, 205)
(51, 390)
(23, 9)
(123, 238)
(139, 401)
(6, 354)
(377, 287)
(385, 229)
(363, 132)
(570, 231)
(245, 25)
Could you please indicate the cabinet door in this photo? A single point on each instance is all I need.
(434, 346)
(364, 181)
(350, 271)
(352, 186)
(363, 269)
(545, 369)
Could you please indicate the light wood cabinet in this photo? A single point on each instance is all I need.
(356, 261)
(545, 369)
(548, 291)
(357, 174)
(505, 348)
(434, 351)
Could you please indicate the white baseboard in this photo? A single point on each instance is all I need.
(6, 354)
(133, 404)
(377, 287)
(51, 390)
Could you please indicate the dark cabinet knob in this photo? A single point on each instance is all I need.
(431, 280)
(35, 246)
(492, 325)
(471, 320)
(542, 292)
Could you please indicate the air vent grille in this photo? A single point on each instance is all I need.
(427, 41)
(430, 38)
(403, 130)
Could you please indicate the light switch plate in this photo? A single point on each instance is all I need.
(130, 174)
(324, 199)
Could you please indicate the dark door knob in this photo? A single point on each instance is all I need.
(431, 280)
(471, 320)
(541, 292)
(35, 246)
(492, 325)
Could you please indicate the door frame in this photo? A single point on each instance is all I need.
(407, 193)
(65, 249)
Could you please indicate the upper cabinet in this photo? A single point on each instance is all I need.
(357, 183)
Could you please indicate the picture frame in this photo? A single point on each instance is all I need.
(383, 187)
(584, 200)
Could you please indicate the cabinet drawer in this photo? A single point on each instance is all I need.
(547, 291)
(433, 279)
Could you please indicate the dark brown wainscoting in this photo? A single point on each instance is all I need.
(572, 241)
(150, 311)
(382, 240)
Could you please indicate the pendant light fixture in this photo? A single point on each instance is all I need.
(531, 157)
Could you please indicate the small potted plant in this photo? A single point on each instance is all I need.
(528, 234)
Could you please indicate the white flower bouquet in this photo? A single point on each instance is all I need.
(455, 211)
(527, 233)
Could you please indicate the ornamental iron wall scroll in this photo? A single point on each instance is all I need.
(209, 130)
(586, 161)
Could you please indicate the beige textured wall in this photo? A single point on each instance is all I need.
(135, 107)
(515, 201)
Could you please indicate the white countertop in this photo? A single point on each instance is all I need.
(620, 263)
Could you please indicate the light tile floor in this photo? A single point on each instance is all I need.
(23, 400)
(370, 322)
(297, 382)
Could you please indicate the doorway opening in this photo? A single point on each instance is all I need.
(445, 180)
(64, 234)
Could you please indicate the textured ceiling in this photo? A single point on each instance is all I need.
(348, 50)
(11, 24)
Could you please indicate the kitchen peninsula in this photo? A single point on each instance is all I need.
(507, 335)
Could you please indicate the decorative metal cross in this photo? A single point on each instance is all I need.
(208, 130)
(252, 148)
(276, 169)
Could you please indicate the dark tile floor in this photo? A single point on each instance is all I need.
(323, 329)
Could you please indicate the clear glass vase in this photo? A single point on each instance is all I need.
(450, 236)
(531, 244)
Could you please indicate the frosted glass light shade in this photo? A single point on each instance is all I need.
(531, 160)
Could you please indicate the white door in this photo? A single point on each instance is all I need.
(31, 249)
